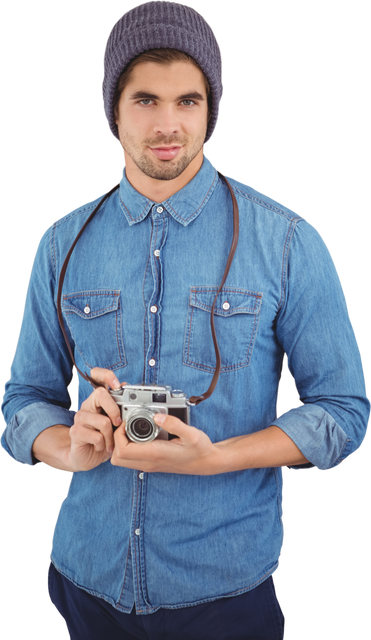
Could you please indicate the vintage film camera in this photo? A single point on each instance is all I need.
(140, 403)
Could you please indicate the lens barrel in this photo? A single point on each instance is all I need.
(140, 426)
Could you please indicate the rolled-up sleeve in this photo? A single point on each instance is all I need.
(314, 330)
(37, 395)
(27, 424)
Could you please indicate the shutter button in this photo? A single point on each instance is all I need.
(87, 310)
(226, 306)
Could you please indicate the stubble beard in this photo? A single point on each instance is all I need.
(154, 167)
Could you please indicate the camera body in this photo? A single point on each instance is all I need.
(139, 405)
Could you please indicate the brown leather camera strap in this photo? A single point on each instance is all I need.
(194, 399)
(93, 382)
(197, 399)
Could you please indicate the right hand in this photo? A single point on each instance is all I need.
(92, 434)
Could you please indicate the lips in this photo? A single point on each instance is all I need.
(165, 153)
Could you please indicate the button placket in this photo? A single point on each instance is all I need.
(159, 231)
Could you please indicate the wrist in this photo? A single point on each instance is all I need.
(53, 446)
(221, 460)
(66, 460)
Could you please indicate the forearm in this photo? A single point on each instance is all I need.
(270, 447)
(53, 446)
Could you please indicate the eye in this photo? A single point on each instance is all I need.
(150, 100)
(146, 101)
(188, 103)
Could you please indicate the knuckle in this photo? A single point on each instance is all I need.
(76, 423)
(74, 430)
(100, 437)
(100, 393)
(78, 418)
(105, 424)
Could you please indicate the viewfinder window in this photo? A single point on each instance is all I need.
(159, 397)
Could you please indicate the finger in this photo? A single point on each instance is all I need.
(125, 449)
(106, 377)
(95, 438)
(120, 438)
(96, 422)
(173, 425)
(100, 400)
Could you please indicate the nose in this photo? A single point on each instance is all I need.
(167, 121)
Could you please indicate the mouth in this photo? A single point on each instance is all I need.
(166, 153)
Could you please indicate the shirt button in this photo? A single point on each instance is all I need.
(87, 310)
(157, 253)
(153, 309)
(137, 532)
(152, 362)
(226, 306)
(141, 475)
(159, 209)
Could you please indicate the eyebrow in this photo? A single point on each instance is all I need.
(144, 95)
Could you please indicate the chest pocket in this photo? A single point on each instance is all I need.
(236, 322)
(94, 321)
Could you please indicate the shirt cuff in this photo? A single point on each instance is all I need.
(27, 424)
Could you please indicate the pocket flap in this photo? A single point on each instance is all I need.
(91, 304)
(231, 300)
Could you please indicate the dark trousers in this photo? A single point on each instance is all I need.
(255, 615)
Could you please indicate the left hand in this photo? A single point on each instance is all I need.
(191, 453)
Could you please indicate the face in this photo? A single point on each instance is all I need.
(162, 119)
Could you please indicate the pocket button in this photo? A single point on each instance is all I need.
(226, 306)
(87, 310)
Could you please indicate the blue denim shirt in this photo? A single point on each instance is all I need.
(172, 540)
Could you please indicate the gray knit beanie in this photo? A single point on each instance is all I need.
(159, 25)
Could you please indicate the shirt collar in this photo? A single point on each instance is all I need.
(184, 205)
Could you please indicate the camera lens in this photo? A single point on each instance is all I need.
(141, 428)
(140, 425)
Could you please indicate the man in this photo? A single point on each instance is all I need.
(192, 535)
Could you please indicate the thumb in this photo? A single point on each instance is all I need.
(171, 424)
